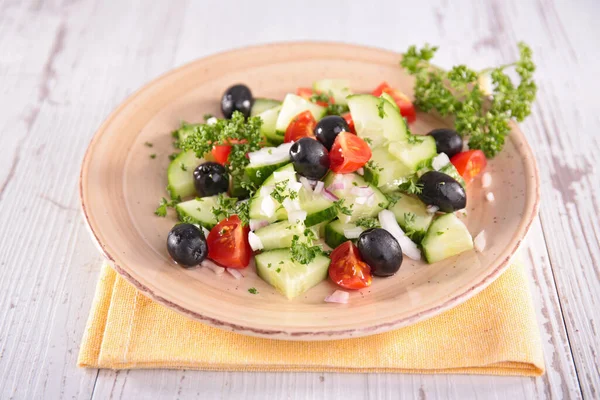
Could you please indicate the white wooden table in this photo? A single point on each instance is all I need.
(65, 64)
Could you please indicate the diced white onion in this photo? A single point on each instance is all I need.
(212, 266)
(266, 190)
(254, 241)
(360, 171)
(294, 186)
(339, 296)
(387, 220)
(353, 233)
(291, 205)
(297, 216)
(307, 186)
(211, 121)
(486, 180)
(479, 242)
(319, 187)
(329, 196)
(489, 196)
(371, 200)
(257, 224)
(235, 273)
(432, 209)
(205, 231)
(440, 161)
(362, 191)
(361, 200)
(484, 81)
(267, 206)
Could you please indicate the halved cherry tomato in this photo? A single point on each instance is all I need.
(302, 125)
(347, 269)
(469, 164)
(348, 153)
(307, 93)
(221, 153)
(407, 109)
(228, 243)
(350, 122)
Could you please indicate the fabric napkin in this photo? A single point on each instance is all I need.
(493, 333)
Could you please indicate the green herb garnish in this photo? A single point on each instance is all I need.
(253, 290)
(148, 144)
(153, 156)
(303, 252)
(340, 208)
(411, 186)
(380, 109)
(367, 222)
(164, 204)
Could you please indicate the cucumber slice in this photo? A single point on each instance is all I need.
(318, 208)
(412, 216)
(339, 89)
(198, 211)
(267, 130)
(261, 105)
(389, 98)
(370, 208)
(447, 236)
(236, 188)
(334, 233)
(259, 173)
(365, 110)
(290, 278)
(385, 171)
(180, 175)
(416, 152)
(257, 207)
(450, 170)
(279, 235)
(292, 106)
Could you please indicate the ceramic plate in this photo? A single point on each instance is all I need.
(121, 186)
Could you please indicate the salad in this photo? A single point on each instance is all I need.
(322, 184)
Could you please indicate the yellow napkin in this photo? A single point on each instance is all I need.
(493, 333)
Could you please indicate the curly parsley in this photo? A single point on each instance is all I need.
(341, 208)
(252, 291)
(367, 223)
(380, 109)
(411, 186)
(303, 252)
(228, 206)
(280, 191)
(164, 204)
(461, 92)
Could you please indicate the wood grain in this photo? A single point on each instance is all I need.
(66, 65)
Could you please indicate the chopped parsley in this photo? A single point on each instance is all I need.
(183, 167)
(320, 97)
(380, 109)
(253, 290)
(148, 144)
(164, 204)
(280, 192)
(368, 140)
(207, 116)
(411, 186)
(173, 156)
(367, 222)
(415, 139)
(153, 156)
(341, 208)
(439, 233)
(278, 270)
(409, 218)
(336, 109)
(228, 206)
(374, 166)
(303, 252)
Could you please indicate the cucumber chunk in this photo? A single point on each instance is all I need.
(385, 171)
(447, 236)
(267, 130)
(198, 211)
(292, 106)
(279, 235)
(180, 174)
(339, 89)
(412, 216)
(334, 233)
(389, 98)
(377, 119)
(259, 173)
(416, 152)
(262, 202)
(318, 208)
(261, 105)
(365, 207)
(290, 278)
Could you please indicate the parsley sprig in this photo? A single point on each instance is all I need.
(331, 108)
(367, 222)
(302, 250)
(460, 92)
(228, 206)
(411, 186)
(165, 204)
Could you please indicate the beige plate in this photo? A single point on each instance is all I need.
(121, 186)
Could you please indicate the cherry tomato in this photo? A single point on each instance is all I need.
(228, 243)
(407, 109)
(221, 153)
(350, 122)
(469, 164)
(302, 125)
(348, 153)
(347, 269)
(307, 93)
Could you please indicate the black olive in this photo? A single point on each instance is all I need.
(237, 98)
(186, 245)
(381, 251)
(328, 128)
(442, 191)
(210, 179)
(447, 141)
(310, 158)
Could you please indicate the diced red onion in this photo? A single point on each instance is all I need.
(306, 184)
(339, 296)
(337, 186)
(297, 216)
(257, 224)
(329, 196)
(254, 241)
(486, 180)
(361, 191)
(480, 242)
(360, 171)
(387, 220)
(432, 209)
(353, 233)
(212, 266)
(235, 273)
(489, 196)
(319, 187)
(440, 161)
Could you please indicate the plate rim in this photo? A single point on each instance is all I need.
(532, 202)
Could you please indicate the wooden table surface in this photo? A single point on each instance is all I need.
(65, 64)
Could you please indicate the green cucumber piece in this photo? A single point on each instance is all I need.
(389, 98)
(198, 211)
(267, 129)
(290, 278)
(369, 209)
(412, 216)
(292, 106)
(259, 173)
(255, 207)
(261, 105)
(180, 174)
(385, 171)
(318, 208)
(416, 152)
(279, 235)
(447, 236)
(369, 124)
(334, 233)
(339, 89)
